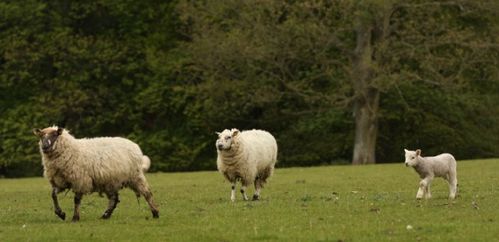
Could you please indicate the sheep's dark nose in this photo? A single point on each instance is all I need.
(46, 144)
(220, 146)
(406, 164)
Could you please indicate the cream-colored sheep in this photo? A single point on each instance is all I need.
(248, 156)
(103, 165)
(443, 165)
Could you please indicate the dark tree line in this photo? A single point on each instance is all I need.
(334, 81)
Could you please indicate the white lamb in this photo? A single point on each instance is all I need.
(249, 156)
(103, 165)
(443, 165)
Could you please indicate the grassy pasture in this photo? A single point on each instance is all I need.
(334, 203)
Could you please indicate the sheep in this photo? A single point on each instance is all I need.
(248, 156)
(443, 165)
(88, 165)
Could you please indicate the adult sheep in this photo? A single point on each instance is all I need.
(443, 165)
(248, 156)
(103, 165)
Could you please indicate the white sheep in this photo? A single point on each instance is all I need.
(103, 165)
(443, 165)
(248, 156)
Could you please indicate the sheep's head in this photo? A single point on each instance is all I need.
(225, 139)
(412, 157)
(48, 137)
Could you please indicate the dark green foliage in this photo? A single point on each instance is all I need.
(77, 65)
(168, 74)
(438, 121)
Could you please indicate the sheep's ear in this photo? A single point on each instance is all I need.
(406, 150)
(59, 131)
(37, 132)
(235, 132)
(217, 133)
(418, 152)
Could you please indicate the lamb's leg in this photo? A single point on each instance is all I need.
(142, 188)
(113, 201)
(421, 190)
(427, 191)
(57, 208)
(77, 201)
(420, 193)
(424, 187)
(452, 186)
(233, 191)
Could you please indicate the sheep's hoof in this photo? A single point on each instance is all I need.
(106, 216)
(256, 197)
(155, 214)
(61, 215)
(75, 219)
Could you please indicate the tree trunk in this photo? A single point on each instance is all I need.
(366, 128)
(366, 96)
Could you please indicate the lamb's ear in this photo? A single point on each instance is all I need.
(406, 150)
(59, 131)
(37, 132)
(418, 152)
(235, 132)
(217, 133)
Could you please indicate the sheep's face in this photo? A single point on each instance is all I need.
(226, 139)
(411, 157)
(48, 137)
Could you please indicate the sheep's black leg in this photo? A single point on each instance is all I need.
(76, 215)
(150, 201)
(113, 201)
(57, 208)
(142, 188)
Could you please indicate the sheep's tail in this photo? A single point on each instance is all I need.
(146, 163)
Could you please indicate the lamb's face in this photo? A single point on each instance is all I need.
(411, 157)
(48, 137)
(226, 139)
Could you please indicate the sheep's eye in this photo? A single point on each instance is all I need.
(227, 138)
(412, 158)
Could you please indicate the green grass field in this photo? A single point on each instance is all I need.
(334, 203)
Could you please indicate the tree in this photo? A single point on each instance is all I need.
(445, 41)
(77, 65)
(407, 74)
(338, 54)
